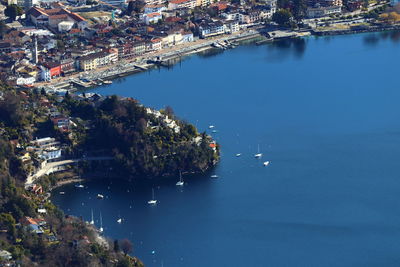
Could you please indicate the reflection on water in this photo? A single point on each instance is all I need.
(210, 53)
(286, 48)
(373, 39)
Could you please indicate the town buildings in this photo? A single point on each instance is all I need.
(57, 40)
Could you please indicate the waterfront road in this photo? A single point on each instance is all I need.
(54, 166)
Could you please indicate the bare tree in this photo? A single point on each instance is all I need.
(169, 111)
(126, 246)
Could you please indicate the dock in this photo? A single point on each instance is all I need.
(281, 34)
(143, 68)
(80, 83)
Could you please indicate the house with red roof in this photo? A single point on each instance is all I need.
(177, 4)
(49, 70)
(52, 17)
(150, 18)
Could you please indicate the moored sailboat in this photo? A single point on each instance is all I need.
(258, 155)
(152, 201)
(180, 182)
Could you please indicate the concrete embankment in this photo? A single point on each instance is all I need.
(170, 56)
(355, 30)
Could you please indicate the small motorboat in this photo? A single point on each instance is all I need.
(79, 186)
(100, 196)
(62, 193)
(214, 176)
(266, 163)
(238, 154)
(211, 126)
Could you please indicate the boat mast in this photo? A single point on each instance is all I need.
(101, 223)
(92, 221)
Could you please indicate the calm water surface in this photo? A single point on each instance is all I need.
(325, 112)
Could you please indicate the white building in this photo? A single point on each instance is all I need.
(177, 4)
(154, 8)
(231, 15)
(5, 255)
(211, 28)
(25, 80)
(65, 26)
(50, 154)
(323, 11)
(232, 26)
(151, 18)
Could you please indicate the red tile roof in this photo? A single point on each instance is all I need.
(179, 1)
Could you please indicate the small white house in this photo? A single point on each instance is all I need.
(151, 18)
(65, 26)
(25, 80)
(5, 255)
(154, 8)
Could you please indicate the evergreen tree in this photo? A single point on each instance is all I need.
(12, 11)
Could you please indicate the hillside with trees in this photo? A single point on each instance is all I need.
(144, 142)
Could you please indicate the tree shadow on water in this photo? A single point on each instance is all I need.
(286, 48)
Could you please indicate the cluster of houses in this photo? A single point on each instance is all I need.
(33, 51)
(36, 153)
(37, 226)
(168, 122)
(53, 41)
(323, 8)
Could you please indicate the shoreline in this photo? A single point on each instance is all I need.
(67, 181)
(134, 67)
(177, 54)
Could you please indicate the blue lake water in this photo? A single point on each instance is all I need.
(324, 111)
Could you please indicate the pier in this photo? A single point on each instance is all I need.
(80, 83)
(143, 68)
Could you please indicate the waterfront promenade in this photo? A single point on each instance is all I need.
(125, 67)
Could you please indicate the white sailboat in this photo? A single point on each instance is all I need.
(180, 182)
(152, 201)
(258, 155)
(119, 220)
(266, 163)
(101, 224)
(92, 221)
